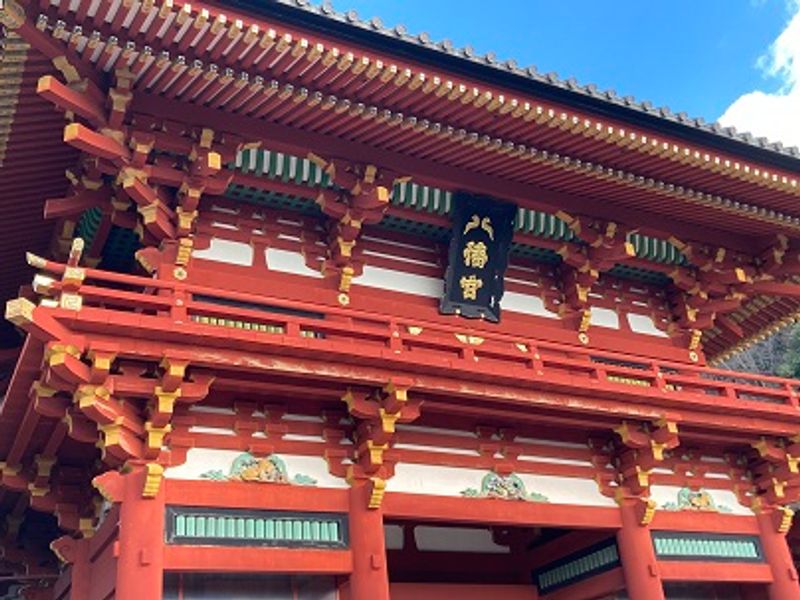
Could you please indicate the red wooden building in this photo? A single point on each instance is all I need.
(241, 361)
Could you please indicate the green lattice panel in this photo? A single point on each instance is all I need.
(228, 527)
(707, 547)
(577, 567)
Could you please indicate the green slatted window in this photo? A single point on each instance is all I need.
(229, 527)
(578, 566)
(707, 547)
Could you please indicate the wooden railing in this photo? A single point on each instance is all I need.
(425, 346)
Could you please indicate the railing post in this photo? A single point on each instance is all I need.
(730, 392)
(292, 329)
(789, 387)
(395, 340)
(658, 378)
(179, 311)
(537, 362)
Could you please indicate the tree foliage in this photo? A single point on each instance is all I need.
(779, 355)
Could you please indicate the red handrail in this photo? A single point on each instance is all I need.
(174, 300)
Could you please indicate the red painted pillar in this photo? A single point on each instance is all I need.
(80, 572)
(140, 546)
(370, 577)
(76, 554)
(638, 557)
(776, 552)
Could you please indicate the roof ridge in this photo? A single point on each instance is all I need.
(375, 25)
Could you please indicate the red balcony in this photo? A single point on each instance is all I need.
(230, 333)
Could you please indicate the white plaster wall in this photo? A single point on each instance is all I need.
(434, 480)
(200, 460)
(227, 251)
(525, 304)
(663, 494)
(451, 481)
(644, 324)
(397, 281)
(604, 317)
(286, 261)
(566, 490)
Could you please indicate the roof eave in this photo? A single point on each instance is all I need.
(305, 18)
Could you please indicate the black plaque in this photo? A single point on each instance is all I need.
(478, 256)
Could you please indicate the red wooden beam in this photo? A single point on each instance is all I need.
(421, 507)
(217, 559)
(709, 571)
(241, 495)
(702, 521)
(67, 99)
(95, 144)
(565, 545)
(55, 208)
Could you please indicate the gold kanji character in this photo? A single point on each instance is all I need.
(485, 224)
(470, 286)
(475, 255)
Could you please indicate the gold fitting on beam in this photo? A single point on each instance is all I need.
(377, 492)
(165, 401)
(35, 261)
(155, 435)
(20, 311)
(173, 368)
(111, 433)
(152, 481)
(376, 452)
(44, 465)
(69, 301)
(206, 138)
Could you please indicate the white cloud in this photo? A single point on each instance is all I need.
(775, 116)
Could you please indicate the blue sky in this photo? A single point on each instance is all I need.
(696, 56)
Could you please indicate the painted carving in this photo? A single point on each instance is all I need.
(700, 500)
(270, 469)
(508, 487)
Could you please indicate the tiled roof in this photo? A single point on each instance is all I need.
(571, 86)
(32, 165)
